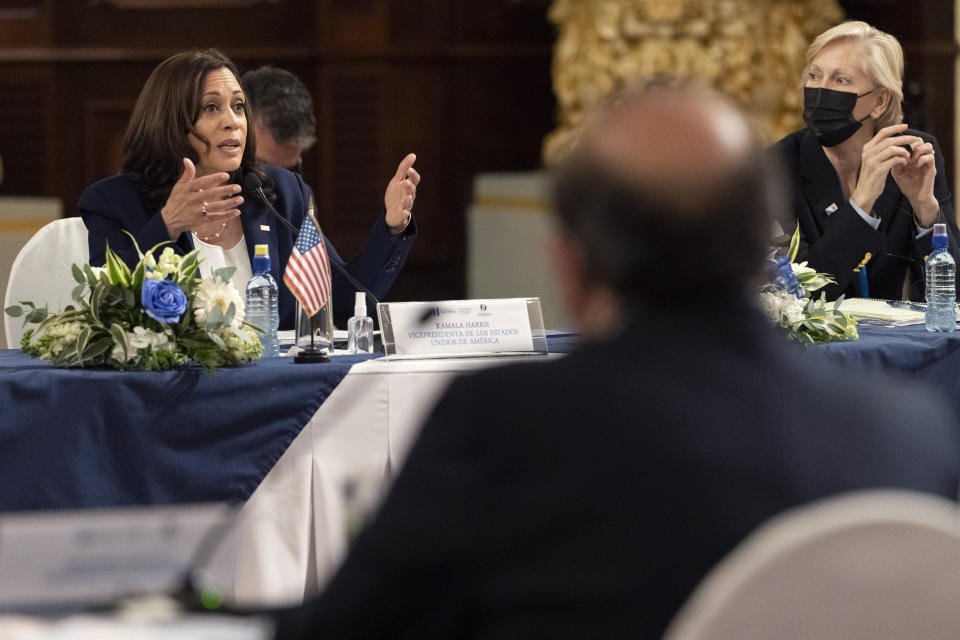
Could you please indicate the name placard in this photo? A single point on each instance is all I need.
(462, 327)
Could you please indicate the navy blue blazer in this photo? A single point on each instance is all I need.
(118, 204)
(836, 241)
(585, 497)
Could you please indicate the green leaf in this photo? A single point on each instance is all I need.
(231, 313)
(77, 292)
(120, 339)
(794, 244)
(37, 315)
(91, 276)
(254, 327)
(214, 317)
(216, 340)
(97, 348)
(96, 300)
(117, 270)
(137, 246)
(188, 269)
(129, 299)
(14, 311)
(78, 274)
(225, 273)
(136, 280)
(82, 339)
(153, 249)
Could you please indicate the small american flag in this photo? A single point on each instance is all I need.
(308, 271)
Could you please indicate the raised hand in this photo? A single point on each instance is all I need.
(915, 179)
(880, 155)
(401, 193)
(194, 202)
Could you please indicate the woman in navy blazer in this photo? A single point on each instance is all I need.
(186, 152)
(866, 189)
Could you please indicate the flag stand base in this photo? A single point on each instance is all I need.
(311, 356)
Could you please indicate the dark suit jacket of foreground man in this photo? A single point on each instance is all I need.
(585, 497)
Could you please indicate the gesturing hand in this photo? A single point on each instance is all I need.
(400, 194)
(880, 155)
(915, 179)
(196, 201)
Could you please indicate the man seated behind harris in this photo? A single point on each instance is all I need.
(585, 497)
(186, 151)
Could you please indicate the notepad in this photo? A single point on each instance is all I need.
(882, 312)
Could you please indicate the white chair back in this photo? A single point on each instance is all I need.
(872, 565)
(41, 271)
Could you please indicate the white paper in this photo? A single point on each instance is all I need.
(461, 327)
(97, 556)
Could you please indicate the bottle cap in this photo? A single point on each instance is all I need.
(261, 250)
(359, 304)
(939, 239)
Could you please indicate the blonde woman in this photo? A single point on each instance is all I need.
(866, 189)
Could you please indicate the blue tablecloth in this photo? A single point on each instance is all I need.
(72, 438)
(912, 352)
(77, 438)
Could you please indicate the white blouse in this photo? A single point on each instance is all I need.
(214, 257)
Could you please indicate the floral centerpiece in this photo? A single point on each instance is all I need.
(789, 300)
(157, 316)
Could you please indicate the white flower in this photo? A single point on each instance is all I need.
(140, 338)
(62, 335)
(213, 292)
(168, 263)
(792, 308)
(781, 307)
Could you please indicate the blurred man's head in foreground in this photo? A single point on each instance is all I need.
(666, 200)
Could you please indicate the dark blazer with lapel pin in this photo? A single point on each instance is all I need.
(118, 204)
(835, 239)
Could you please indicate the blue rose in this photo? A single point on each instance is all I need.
(785, 278)
(163, 300)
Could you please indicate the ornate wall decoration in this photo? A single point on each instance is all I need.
(750, 50)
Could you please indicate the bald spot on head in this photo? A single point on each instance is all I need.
(679, 147)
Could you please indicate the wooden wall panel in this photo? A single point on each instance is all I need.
(88, 23)
(23, 137)
(925, 30)
(26, 23)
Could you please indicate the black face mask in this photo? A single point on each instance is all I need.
(829, 114)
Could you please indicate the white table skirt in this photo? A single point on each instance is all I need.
(293, 531)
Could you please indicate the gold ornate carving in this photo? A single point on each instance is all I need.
(750, 50)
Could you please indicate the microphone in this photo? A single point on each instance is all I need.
(254, 185)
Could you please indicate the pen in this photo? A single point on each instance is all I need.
(912, 306)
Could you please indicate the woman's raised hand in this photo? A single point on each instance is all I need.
(401, 193)
(915, 179)
(883, 153)
(196, 201)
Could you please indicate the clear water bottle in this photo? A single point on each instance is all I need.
(941, 284)
(262, 301)
(360, 327)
